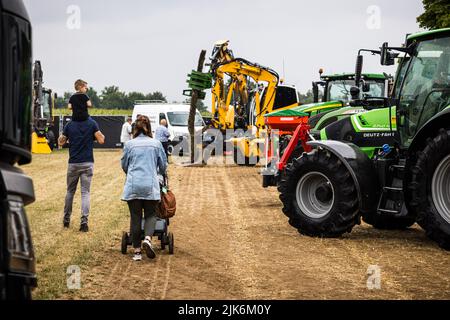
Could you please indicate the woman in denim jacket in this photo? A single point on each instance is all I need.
(143, 158)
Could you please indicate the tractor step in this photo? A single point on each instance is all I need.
(391, 201)
(398, 171)
(393, 193)
(389, 212)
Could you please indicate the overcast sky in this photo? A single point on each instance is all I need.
(143, 45)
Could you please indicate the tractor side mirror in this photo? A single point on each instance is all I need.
(387, 56)
(355, 92)
(358, 71)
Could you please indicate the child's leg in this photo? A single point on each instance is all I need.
(150, 217)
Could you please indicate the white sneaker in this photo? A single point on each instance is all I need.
(137, 257)
(149, 248)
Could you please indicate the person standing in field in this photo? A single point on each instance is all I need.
(163, 135)
(81, 136)
(80, 102)
(127, 130)
(143, 158)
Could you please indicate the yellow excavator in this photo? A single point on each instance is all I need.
(43, 138)
(242, 101)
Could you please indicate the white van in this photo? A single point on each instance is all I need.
(177, 116)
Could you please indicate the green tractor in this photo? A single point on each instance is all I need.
(354, 172)
(332, 107)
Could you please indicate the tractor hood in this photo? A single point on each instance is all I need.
(306, 109)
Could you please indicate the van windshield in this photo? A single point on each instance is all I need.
(180, 119)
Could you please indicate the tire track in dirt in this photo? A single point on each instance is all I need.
(123, 278)
(233, 242)
(241, 251)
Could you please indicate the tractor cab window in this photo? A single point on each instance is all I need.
(340, 90)
(426, 88)
(400, 76)
(285, 97)
(47, 106)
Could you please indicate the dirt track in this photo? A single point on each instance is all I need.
(233, 242)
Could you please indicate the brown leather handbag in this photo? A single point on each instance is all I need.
(168, 205)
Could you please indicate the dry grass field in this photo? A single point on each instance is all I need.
(231, 242)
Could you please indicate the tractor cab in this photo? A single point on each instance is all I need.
(337, 87)
(424, 91)
(389, 166)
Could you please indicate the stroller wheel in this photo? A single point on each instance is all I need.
(171, 243)
(124, 247)
(163, 242)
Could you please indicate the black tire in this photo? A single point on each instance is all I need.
(18, 291)
(343, 212)
(124, 246)
(164, 242)
(51, 140)
(419, 193)
(171, 243)
(170, 150)
(388, 222)
(242, 160)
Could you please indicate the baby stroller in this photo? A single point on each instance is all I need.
(161, 229)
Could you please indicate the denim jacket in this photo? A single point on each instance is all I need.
(143, 157)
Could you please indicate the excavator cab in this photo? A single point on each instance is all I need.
(43, 138)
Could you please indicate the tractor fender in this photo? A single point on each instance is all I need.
(360, 167)
(430, 130)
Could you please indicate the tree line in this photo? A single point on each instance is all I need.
(113, 98)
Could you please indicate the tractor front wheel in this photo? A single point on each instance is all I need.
(319, 195)
(428, 189)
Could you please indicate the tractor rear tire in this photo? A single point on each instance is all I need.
(319, 195)
(428, 189)
(388, 222)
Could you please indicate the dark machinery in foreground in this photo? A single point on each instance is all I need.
(17, 260)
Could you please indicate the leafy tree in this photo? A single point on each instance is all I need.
(132, 97)
(306, 98)
(436, 15)
(200, 105)
(95, 99)
(113, 98)
(62, 102)
(156, 96)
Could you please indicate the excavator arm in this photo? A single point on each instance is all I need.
(239, 70)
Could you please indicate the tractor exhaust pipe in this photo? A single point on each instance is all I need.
(358, 75)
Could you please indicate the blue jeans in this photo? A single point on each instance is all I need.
(82, 172)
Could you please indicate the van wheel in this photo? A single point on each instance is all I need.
(170, 150)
